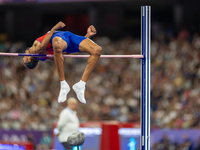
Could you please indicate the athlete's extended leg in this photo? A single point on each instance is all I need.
(58, 46)
(94, 50)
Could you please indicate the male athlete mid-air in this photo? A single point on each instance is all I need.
(64, 42)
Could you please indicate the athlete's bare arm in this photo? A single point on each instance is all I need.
(91, 31)
(38, 47)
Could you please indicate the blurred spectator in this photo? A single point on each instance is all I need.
(7, 46)
(30, 138)
(164, 144)
(187, 143)
(45, 142)
(198, 143)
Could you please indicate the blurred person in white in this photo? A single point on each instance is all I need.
(68, 123)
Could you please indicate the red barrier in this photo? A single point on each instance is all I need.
(110, 137)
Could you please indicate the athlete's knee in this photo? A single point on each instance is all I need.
(57, 49)
(57, 45)
(97, 50)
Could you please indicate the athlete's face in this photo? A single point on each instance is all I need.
(27, 59)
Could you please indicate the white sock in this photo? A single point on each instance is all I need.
(82, 83)
(62, 83)
(79, 89)
(64, 90)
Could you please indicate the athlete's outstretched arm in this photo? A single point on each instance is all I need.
(91, 31)
(38, 47)
(47, 39)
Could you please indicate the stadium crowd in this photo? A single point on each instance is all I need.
(29, 97)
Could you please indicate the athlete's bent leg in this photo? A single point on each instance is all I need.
(58, 46)
(94, 50)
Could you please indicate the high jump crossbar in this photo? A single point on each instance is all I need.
(71, 56)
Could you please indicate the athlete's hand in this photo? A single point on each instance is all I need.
(91, 31)
(59, 25)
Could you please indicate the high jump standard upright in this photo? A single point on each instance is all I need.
(145, 77)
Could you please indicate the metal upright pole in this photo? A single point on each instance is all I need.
(145, 77)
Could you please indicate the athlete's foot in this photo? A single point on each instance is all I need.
(79, 89)
(64, 90)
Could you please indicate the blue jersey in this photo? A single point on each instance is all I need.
(72, 40)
